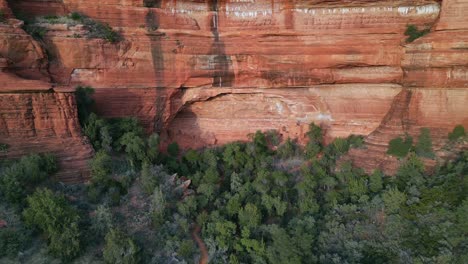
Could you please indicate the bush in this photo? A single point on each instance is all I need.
(102, 221)
(37, 32)
(173, 149)
(3, 147)
(101, 168)
(315, 145)
(149, 3)
(84, 103)
(22, 176)
(399, 147)
(457, 132)
(413, 33)
(119, 248)
(57, 220)
(76, 16)
(424, 146)
(135, 148)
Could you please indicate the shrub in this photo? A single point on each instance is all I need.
(2, 16)
(3, 147)
(149, 3)
(119, 248)
(23, 175)
(76, 16)
(102, 221)
(100, 30)
(152, 176)
(413, 33)
(84, 103)
(57, 220)
(399, 147)
(288, 149)
(135, 148)
(11, 241)
(315, 145)
(37, 32)
(376, 181)
(424, 146)
(173, 149)
(457, 132)
(101, 168)
(152, 151)
(158, 206)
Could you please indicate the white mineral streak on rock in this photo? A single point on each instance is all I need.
(402, 10)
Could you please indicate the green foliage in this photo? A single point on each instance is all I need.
(149, 3)
(158, 206)
(134, 146)
(119, 248)
(101, 168)
(11, 242)
(37, 32)
(288, 149)
(3, 148)
(457, 132)
(76, 16)
(57, 220)
(102, 221)
(14, 237)
(84, 103)
(95, 28)
(21, 177)
(399, 147)
(393, 200)
(249, 216)
(376, 181)
(173, 149)
(315, 145)
(152, 152)
(424, 146)
(2, 16)
(413, 33)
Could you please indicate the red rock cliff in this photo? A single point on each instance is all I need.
(34, 117)
(209, 72)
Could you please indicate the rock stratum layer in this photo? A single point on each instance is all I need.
(208, 72)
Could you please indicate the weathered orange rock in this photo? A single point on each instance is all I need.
(210, 72)
(34, 118)
(45, 122)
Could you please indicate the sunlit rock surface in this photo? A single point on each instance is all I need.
(203, 73)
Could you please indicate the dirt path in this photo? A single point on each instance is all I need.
(201, 245)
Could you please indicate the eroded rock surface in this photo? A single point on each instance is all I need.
(209, 72)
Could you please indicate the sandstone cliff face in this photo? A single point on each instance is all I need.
(33, 117)
(210, 72)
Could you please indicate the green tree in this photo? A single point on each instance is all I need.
(135, 148)
(424, 146)
(152, 151)
(101, 168)
(376, 181)
(457, 132)
(102, 220)
(21, 177)
(158, 206)
(315, 145)
(282, 249)
(249, 216)
(399, 147)
(173, 149)
(120, 249)
(393, 200)
(84, 102)
(57, 220)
